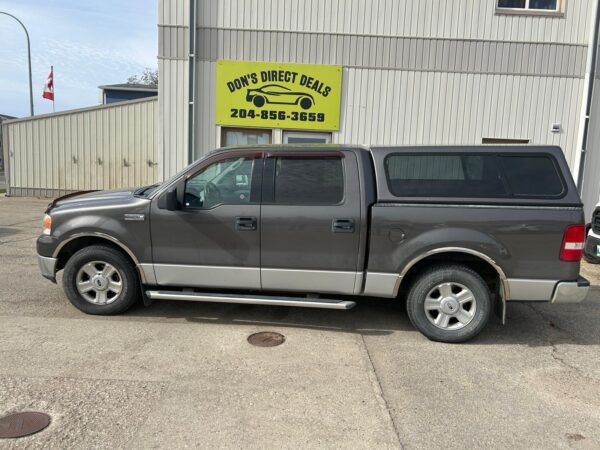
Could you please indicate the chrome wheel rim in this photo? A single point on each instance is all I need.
(99, 282)
(450, 306)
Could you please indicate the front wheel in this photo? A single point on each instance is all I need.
(101, 280)
(449, 303)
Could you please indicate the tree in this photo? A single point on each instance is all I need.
(149, 77)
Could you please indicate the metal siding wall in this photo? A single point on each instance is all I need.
(447, 108)
(460, 19)
(416, 71)
(590, 193)
(105, 147)
(173, 20)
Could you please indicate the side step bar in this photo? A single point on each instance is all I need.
(251, 300)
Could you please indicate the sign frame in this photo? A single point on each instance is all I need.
(288, 96)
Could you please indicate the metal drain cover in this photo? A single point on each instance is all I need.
(266, 339)
(23, 424)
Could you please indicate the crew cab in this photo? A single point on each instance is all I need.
(455, 232)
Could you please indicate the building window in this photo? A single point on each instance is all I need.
(302, 137)
(529, 6)
(244, 136)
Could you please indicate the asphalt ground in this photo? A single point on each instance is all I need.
(179, 374)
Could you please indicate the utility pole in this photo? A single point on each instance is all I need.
(28, 58)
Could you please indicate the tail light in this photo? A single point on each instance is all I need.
(573, 243)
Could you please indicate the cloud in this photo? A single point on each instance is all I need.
(89, 43)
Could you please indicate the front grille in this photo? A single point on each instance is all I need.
(596, 221)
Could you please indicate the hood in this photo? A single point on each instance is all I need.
(93, 198)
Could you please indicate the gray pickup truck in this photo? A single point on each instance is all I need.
(455, 232)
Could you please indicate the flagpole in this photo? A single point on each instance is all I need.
(53, 88)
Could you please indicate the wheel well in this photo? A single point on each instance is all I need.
(77, 244)
(483, 268)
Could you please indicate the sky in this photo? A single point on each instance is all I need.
(89, 43)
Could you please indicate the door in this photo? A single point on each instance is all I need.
(213, 241)
(310, 222)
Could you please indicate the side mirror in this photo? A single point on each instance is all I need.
(169, 201)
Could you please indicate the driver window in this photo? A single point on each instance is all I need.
(224, 182)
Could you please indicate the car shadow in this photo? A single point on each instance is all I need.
(528, 324)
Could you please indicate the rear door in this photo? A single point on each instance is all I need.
(310, 222)
(213, 240)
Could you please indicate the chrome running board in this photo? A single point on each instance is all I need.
(251, 299)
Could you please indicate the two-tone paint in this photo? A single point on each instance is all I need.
(298, 249)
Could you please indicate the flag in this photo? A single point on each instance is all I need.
(49, 86)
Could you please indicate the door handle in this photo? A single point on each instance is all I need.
(343, 226)
(246, 223)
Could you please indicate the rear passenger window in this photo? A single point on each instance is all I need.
(472, 176)
(309, 181)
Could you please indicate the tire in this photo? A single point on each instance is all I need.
(591, 259)
(91, 268)
(441, 295)
(259, 101)
(305, 103)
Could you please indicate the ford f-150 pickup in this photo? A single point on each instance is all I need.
(454, 232)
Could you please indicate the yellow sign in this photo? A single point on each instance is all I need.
(278, 95)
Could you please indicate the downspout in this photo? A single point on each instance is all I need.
(192, 82)
(590, 74)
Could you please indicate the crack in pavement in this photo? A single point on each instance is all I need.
(555, 353)
(379, 395)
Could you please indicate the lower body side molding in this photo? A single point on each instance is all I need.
(251, 299)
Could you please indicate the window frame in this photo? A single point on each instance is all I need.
(309, 134)
(268, 184)
(255, 130)
(526, 11)
(510, 197)
(255, 179)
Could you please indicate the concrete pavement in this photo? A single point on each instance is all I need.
(180, 374)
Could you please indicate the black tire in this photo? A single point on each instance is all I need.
(591, 258)
(306, 103)
(126, 275)
(259, 101)
(462, 279)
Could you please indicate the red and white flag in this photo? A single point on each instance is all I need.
(49, 86)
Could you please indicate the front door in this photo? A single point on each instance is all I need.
(310, 222)
(213, 241)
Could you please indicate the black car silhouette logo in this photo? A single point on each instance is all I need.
(278, 95)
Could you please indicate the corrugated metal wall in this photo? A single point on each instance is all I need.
(173, 21)
(415, 71)
(104, 147)
(590, 193)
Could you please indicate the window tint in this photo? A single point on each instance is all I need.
(532, 176)
(309, 181)
(472, 176)
(224, 182)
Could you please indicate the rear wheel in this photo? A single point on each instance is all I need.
(101, 280)
(449, 303)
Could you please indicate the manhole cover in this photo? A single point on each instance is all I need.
(23, 424)
(266, 339)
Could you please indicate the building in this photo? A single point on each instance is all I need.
(355, 72)
(412, 72)
(2, 118)
(112, 93)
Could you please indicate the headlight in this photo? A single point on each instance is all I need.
(47, 227)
